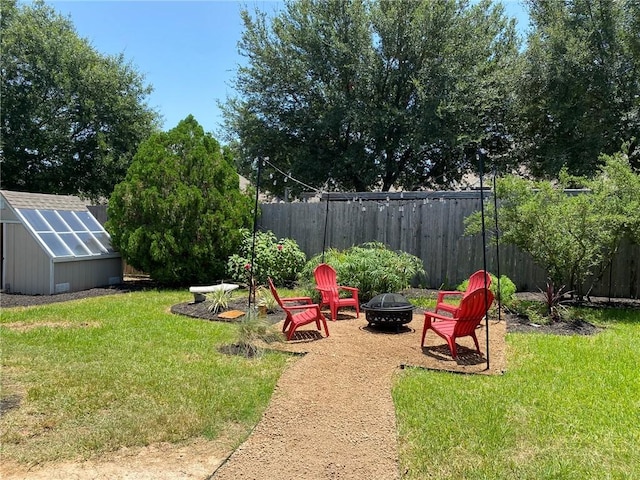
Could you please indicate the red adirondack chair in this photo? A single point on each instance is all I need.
(477, 280)
(463, 322)
(327, 284)
(300, 311)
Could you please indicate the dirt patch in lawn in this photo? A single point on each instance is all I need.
(331, 415)
(26, 326)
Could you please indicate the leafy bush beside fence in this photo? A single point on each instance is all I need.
(507, 293)
(573, 237)
(279, 259)
(372, 268)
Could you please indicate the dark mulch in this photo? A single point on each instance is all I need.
(8, 300)
(521, 324)
(201, 310)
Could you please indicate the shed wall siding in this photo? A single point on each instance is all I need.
(27, 266)
(85, 274)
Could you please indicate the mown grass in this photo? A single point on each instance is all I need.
(99, 374)
(567, 408)
(94, 375)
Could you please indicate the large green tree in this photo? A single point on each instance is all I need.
(579, 87)
(178, 213)
(72, 118)
(366, 95)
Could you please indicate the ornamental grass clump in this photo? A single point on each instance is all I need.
(253, 330)
(266, 299)
(218, 301)
(371, 267)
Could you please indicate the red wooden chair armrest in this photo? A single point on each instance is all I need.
(436, 316)
(351, 289)
(296, 299)
(303, 307)
(442, 293)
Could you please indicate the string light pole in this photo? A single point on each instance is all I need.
(481, 156)
(252, 281)
(495, 214)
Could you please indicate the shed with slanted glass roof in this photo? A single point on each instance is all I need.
(53, 244)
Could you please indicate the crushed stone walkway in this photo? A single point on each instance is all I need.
(332, 415)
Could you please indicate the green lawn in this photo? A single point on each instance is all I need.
(568, 407)
(94, 375)
(101, 373)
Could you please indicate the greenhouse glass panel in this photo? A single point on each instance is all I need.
(75, 224)
(35, 221)
(55, 221)
(67, 233)
(74, 244)
(91, 243)
(104, 239)
(91, 223)
(57, 247)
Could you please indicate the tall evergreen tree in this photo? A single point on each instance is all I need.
(177, 215)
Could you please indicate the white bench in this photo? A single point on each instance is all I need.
(199, 293)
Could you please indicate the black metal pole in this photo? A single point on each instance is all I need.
(326, 220)
(253, 241)
(495, 214)
(481, 155)
(610, 277)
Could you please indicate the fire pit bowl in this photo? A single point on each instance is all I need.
(388, 309)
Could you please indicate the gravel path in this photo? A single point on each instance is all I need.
(332, 415)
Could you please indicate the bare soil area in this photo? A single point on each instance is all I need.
(331, 415)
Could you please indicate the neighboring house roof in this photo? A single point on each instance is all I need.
(244, 183)
(43, 201)
(244, 187)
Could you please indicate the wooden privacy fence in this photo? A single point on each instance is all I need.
(429, 225)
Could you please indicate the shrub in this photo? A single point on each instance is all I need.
(372, 268)
(573, 237)
(279, 259)
(177, 214)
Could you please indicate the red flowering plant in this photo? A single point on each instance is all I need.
(280, 259)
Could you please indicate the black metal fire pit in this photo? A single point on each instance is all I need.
(388, 309)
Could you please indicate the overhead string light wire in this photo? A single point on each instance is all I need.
(380, 204)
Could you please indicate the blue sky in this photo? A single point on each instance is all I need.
(187, 50)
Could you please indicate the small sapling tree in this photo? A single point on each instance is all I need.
(573, 236)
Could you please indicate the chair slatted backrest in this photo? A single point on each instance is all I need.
(472, 310)
(274, 292)
(326, 279)
(477, 280)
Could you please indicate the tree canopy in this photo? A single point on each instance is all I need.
(178, 213)
(72, 118)
(357, 95)
(579, 94)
